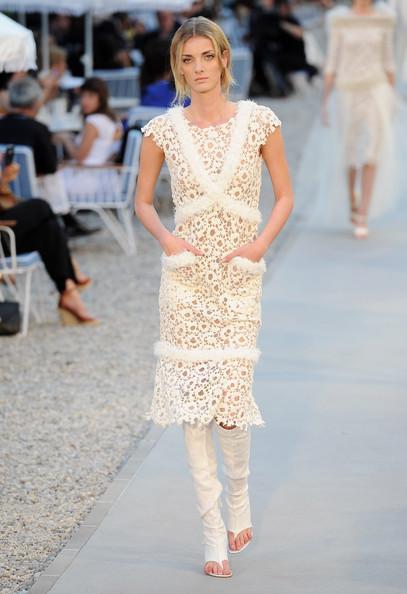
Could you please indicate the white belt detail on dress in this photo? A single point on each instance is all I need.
(165, 349)
(240, 209)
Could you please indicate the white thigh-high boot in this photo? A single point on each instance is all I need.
(201, 458)
(235, 445)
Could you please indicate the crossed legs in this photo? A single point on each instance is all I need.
(201, 456)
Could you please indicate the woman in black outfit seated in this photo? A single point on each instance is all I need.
(36, 228)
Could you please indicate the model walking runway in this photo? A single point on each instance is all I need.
(212, 271)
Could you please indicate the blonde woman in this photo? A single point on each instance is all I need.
(212, 272)
(360, 67)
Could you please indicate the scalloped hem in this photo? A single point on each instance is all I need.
(255, 422)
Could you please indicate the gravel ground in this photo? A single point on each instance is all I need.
(72, 399)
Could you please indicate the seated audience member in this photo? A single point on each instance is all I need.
(157, 87)
(102, 132)
(36, 228)
(19, 126)
(95, 146)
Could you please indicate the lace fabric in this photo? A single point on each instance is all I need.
(210, 311)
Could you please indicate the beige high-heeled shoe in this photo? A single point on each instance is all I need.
(360, 229)
(69, 317)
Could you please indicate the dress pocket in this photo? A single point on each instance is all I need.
(245, 275)
(239, 263)
(181, 267)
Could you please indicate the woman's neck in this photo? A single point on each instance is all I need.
(208, 109)
(363, 6)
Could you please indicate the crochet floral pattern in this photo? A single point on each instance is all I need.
(210, 311)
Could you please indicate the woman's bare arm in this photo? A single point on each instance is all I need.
(79, 153)
(274, 156)
(151, 160)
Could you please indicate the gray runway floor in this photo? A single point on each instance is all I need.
(328, 472)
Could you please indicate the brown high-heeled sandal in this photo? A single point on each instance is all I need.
(69, 317)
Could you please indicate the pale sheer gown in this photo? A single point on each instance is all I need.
(363, 116)
(360, 55)
(210, 311)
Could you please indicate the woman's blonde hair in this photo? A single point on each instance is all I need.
(199, 27)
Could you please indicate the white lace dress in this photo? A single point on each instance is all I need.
(360, 55)
(210, 311)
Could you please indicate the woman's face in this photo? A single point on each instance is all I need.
(200, 67)
(89, 102)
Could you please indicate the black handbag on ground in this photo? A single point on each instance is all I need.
(10, 318)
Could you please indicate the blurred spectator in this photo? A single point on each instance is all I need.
(49, 80)
(36, 228)
(265, 40)
(291, 55)
(5, 78)
(278, 43)
(68, 32)
(110, 46)
(95, 146)
(19, 126)
(167, 25)
(239, 27)
(157, 87)
(101, 136)
(199, 8)
(128, 26)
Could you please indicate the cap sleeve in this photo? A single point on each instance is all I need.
(267, 122)
(155, 128)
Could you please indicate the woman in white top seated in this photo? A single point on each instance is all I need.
(96, 145)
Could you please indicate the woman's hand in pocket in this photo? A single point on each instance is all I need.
(172, 245)
(253, 251)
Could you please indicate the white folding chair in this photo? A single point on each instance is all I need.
(25, 186)
(14, 266)
(123, 85)
(142, 114)
(108, 188)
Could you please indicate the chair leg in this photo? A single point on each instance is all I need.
(27, 301)
(36, 306)
(115, 228)
(126, 218)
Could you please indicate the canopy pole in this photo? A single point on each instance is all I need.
(88, 57)
(45, 40)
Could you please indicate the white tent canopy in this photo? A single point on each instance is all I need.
(17, 46)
